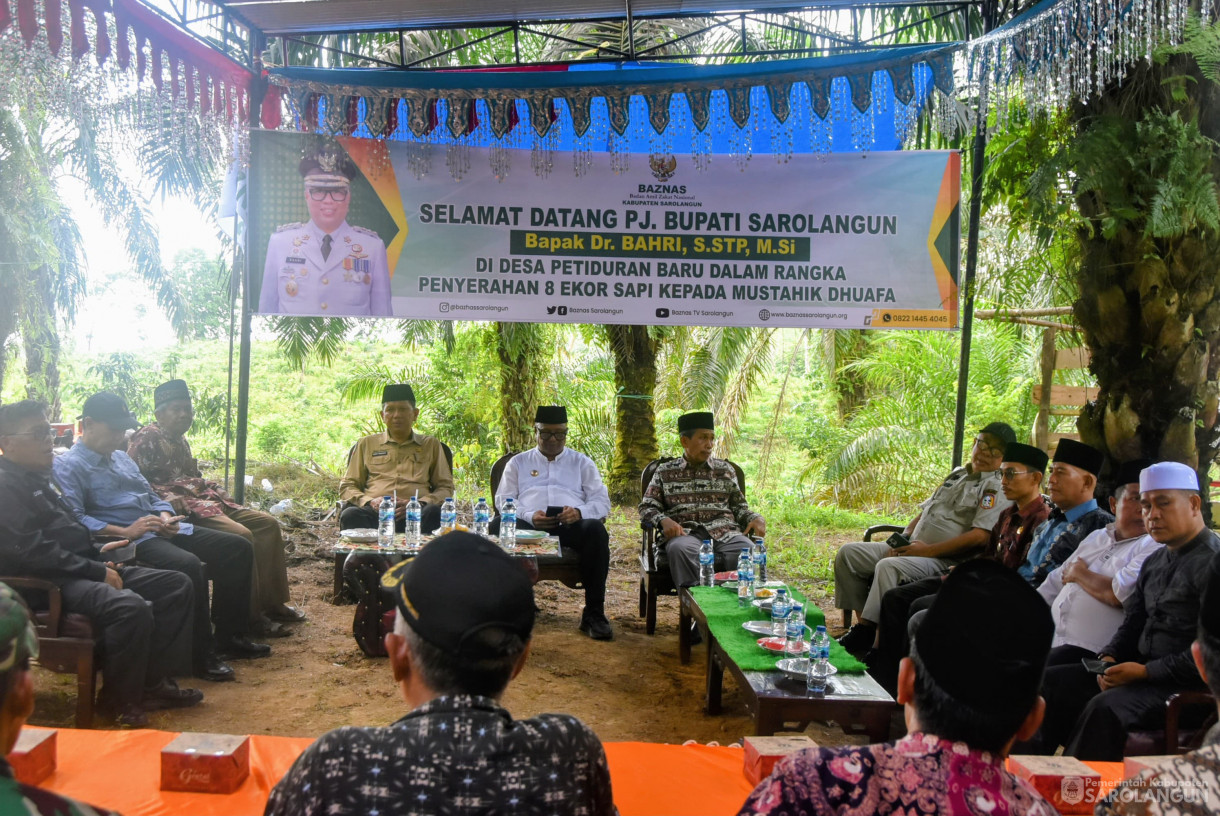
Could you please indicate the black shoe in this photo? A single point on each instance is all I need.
(265, 627)
(286, 614)
(859, 639)
(696, 636)
(215, 669)
(241, 647)
(131, 716)
(166, 694)
(596, 627)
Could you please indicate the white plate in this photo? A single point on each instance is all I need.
(762, 627)
(798, 667)
(360, 535)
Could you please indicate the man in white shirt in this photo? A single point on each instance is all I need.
(1087, 592)
(561, 491)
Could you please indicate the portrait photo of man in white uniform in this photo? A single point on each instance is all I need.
(326, 267)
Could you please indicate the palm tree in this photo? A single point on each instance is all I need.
(58, 119)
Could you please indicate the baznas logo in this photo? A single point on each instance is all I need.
(1071, 790)
(663, 166)
(764, 314)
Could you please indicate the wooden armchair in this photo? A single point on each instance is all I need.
(66, 641)
(655, 578)
(1175, 739)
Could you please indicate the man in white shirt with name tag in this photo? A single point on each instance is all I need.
(561, 491)
(1086, 594)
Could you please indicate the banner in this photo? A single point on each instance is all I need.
(844, 241)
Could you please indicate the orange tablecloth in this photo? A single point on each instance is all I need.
(121, 770)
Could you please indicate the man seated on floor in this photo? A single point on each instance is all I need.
(1086, 593)
(143, 615)
(953, 524)
(18, 644)
(696, 497)
(457, 748)
(553, 475)
(1194, 778)
(164, 458)
(110, 497)
(1021, 475)
(1150, 653)
(399, 461)
(969, 689)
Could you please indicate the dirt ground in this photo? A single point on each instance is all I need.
(632, 688)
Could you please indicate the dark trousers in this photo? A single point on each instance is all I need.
(230, 559)
(145, 627)
(357, 517)
(589, 539)
(1090, 723)
(893, 640)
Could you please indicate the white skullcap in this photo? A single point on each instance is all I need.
(1168, 476)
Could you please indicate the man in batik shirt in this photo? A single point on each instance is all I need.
(1190, 783)
(465, 615)
(164, 458)
(696, 497)
(968, 695)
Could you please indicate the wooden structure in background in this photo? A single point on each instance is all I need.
(1058, 400)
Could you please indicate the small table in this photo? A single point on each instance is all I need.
(856, 702)
(543, 559)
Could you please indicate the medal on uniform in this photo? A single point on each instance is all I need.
(291, 288)
(357, 248)
(533, 473)
(325, 281)
(347, 239)
(368, 279)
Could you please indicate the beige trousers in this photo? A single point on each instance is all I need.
(269, 583)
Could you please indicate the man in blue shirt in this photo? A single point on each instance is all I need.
(109, 496)
(1072, 483)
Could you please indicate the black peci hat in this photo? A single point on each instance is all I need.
(551, 415)
(400, 392)
(169, 392)
(1028, 455)
(696, 421)
(1078, 454)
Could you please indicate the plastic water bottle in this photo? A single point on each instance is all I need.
(448, 515)
(745, 579)
(819, 662)
(780, 607)
(385, 523)
(482, 516)
(795, 630)
(414, 514)
(760, 561)
(508, 525)
(281, 507)
(707, 563)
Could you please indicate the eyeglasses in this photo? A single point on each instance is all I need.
(46, 433)
(552, 434)
(986, 449)
(319, 194)
(1012, 473)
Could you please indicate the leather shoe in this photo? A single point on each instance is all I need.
(596, 627)
(696, 636)
(166, 694)
(241, 647)
(859, 639)
(131, 716)
(267, 628)
(215, 669)
(286, 614)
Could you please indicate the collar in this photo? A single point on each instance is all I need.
(1032, 509)
(1189, 546)
(558, 456)
(317, 232)
(90, 456)
(21, 471)
(692, 466)
(386, 439)
(453, 704)
(1079, 510)
(1112, 531)
(918, 744)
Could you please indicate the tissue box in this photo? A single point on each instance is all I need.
(1067, 783)
(763, 752)
(205, 763)
(33, 757)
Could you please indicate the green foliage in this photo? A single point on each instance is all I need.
(897, 446)
(205, 284)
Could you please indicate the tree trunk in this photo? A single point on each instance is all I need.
(635, 431)
(41, 341)
(1149, 306)
(841, 347)
(521, 348)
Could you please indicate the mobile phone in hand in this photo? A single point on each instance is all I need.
(553, 511)
(1095, 666)
(897, 540)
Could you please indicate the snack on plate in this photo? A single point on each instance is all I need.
(764, 593)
